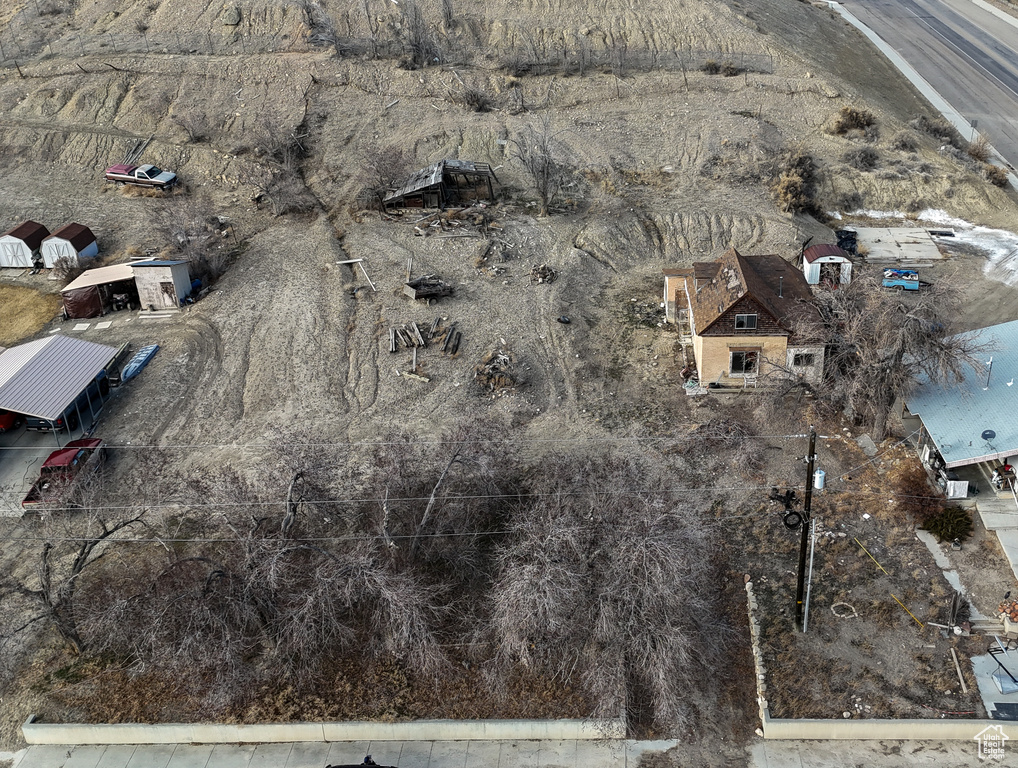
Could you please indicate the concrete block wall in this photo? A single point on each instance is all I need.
(418, 730)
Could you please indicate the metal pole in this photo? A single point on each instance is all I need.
(801, 579)
(809, 579)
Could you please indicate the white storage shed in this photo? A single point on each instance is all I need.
(161, 284)
(827, 264)
(73, 242)
(20, 246)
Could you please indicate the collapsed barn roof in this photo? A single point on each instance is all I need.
(438, 177)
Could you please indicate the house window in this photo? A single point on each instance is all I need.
(744, 362)
(802, 359)
(745, 322)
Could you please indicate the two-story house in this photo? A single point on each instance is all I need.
(740, 316)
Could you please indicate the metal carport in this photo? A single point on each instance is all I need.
(44, 377)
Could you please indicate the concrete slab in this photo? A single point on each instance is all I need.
(519, 754)
(153, 756)
(103, 325)
(52, 755)
(269, 755)
(85, 756)
(308, 754)
(417, 754)
(81, 326)
(1008, 539)
(232, 755)
(599, 753)
(984, 666)
(385, 752)
(557, 754)
(349, 752)
(451, 754)
(116, 756)
(996, 521)
(190, 756)
(482, 753)
(896, 244)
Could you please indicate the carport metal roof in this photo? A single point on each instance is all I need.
(43, 377)
(100, 276)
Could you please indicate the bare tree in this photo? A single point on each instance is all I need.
(382, 170)
(610, 587)
(538, 150)
(284, 150)
(416, 36)
(193, 230)
(60, 568)
(880, 344)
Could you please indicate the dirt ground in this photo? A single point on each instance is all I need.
(290, 343)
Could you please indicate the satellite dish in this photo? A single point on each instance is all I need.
(988, 434)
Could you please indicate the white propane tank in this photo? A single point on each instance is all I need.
(818, 479)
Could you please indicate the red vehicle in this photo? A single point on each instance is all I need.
(141, 175)
(9, 421)
(63, 470)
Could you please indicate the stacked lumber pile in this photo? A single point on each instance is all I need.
(410, 336)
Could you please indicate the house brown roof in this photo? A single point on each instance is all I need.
(701, 270)
(31, 233)
(78, 235)
(820, 250)
(774, 283)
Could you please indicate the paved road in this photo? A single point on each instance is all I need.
(964, 50)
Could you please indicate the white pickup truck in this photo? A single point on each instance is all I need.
(141, 175)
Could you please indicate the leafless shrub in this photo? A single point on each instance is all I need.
(475, 100)
(416, 37)
(795, 184)
(283, 185)
(66, 269)
(722, 445)
(610, 587)
(940, 129)
(979, 149)
(711, 67)
(862, 158)
(196, 124)
(382, 170)
(321, 28)
(996, 175)
(192, 229)
(904, 141)
(852, 119)
(448, 15)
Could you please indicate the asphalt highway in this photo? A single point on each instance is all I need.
(966, 52)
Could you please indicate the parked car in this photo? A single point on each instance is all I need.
(62, 471)
(141, 175)
(903, 280)
(89, 401)
(9, 421)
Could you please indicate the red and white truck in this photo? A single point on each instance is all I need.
(63, 471)
(141, 175)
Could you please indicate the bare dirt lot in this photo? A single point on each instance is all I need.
(289, 346)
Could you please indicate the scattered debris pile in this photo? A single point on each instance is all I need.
(542, 273)
(496, 371)
(647, 314)
(427, 287)
(475, 221)
(1008, 610)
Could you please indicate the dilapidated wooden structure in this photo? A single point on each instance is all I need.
(443, 184)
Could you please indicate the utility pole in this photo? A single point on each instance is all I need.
(801, 579)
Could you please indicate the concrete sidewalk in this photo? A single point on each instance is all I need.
(497, 754)
(407, 754)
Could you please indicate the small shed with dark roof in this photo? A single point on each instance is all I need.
(19, 247)
(826, 264)
(72, 242)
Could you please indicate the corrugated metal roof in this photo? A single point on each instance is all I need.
(820, 250)
(31, 233)
(957, 414)
(43, 377)
(77, 235)
(422, 179)
(101, 276)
